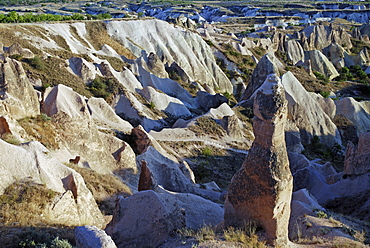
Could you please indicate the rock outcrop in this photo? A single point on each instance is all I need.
(321, 64)
(261, 190)
(17, 96)
(268, 64)
(147, 218)
(357, 159)
(74, 203)
(92, 237)
(99, 151)
(174, 45)
(307, 115)
(357, 112)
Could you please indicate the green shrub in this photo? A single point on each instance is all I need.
(36, 63)
(207, 151)
(325, 94)
(152, 105)
(321, 214)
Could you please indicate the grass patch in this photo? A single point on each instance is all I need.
(105, 87)
(53, 71)
(24, 202)
(207, 126)
(42, 129)
(37, 237)
(9, 137)
(98, 36)
(102, 186)
(116, 63)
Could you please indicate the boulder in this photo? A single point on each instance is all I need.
(156, 66)
(159, 214)
(261, 190)
(74, 203)
(356, 112)
(294, 51)
(143, 220)
(92, 237)
(357, 160)
(165, 171)
(326, 104)
(18, 98)
(321, 64)
(335, 53)
(165, 103)
(268, 64)
(85, 70)
(16, 49)
(307, 114)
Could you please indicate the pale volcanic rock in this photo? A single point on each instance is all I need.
(335, 53)
(148, 217)
(16, 49)
(81, 136)
(321, 64)
(357, 112)
(186, 48)
(165, 103)
(92, 237)
(85, 70)
(268, 64)
(294, 51)
(307, 114)
(17, 96)
(31, 161)
(105, 117)
(261, 190)
(357, 159)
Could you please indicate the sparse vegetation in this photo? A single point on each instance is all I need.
(206, 125)
(23, 203)
(105, 87)
(102, 186)
(42, 129)
(316, 149)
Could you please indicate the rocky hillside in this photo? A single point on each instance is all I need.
(135, 129)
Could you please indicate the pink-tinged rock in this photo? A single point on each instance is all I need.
(261, 190)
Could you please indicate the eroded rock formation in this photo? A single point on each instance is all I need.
(261, 190)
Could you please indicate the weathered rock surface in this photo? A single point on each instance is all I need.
(268, 64)
(321, 64)
(18, 98)
(85, 70)
(294, 51)
(261, 189)
(207, 101)
(174, 45)
(165, 171)
(143, 220)
(105, 117)
(74, 205)
(16, 49)
(160, 213)
(165, 103)
(92, 237)
(357, 159)
(307, 114)
(357, 112)
(103, 153)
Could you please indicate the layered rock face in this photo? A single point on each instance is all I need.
(261, 190)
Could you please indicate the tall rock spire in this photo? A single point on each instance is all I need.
(261, 190)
